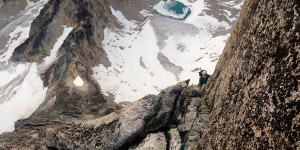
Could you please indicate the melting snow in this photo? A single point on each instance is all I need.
(29, 4)
(78, 81)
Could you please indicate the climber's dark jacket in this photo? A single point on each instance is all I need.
(203, 81)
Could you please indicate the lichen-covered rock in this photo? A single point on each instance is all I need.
(154, 141)
(50, 137)
(175, 139)
(193, 91)
(254, 90)
(187, 119)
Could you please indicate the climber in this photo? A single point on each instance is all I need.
(203, 77)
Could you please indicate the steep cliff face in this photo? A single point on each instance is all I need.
(254, 92)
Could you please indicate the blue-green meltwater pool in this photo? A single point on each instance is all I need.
(173, 9)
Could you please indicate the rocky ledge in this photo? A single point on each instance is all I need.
(155, 122)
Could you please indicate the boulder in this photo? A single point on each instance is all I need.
(154, 141)
(175, 140)
(193, 91)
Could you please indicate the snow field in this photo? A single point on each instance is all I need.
(136, 70)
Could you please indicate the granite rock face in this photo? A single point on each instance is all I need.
(175, 140)
(254, 90)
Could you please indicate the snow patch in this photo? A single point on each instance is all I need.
(48, 61)
(239, 6)
(78, 81)
(144, 13)
(29, 4)
(120, 17)
(126, 78)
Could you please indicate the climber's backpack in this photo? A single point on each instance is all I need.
(200, 73)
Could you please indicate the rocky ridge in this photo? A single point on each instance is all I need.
(163, 119)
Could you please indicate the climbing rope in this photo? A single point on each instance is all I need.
(197, 113)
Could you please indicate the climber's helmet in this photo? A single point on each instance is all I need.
(204, 74)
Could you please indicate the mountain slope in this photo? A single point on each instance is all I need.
(63, 44)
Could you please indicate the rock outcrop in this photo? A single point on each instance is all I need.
(254, 90)
(121, 128)
(154, 141)
(175, 139)
(157, 122)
